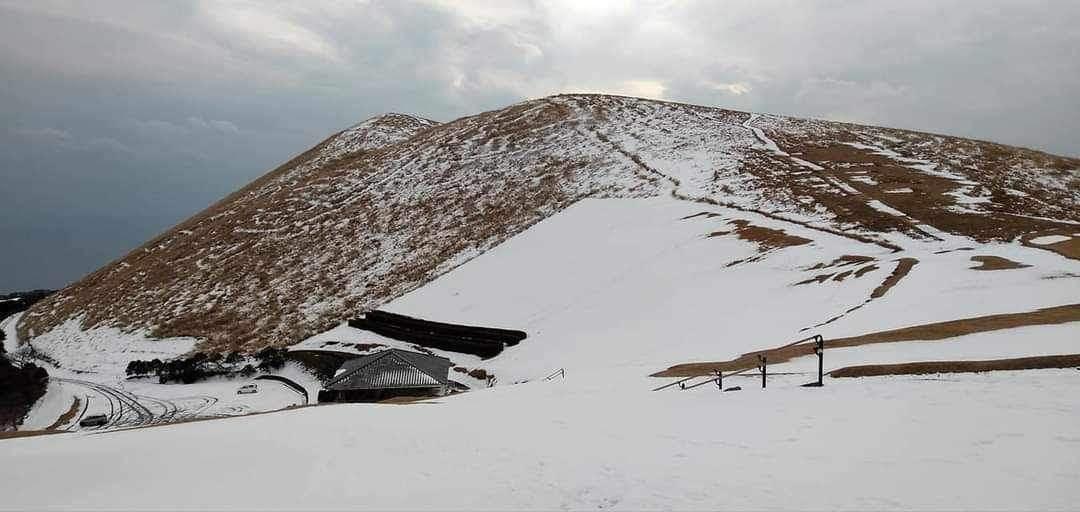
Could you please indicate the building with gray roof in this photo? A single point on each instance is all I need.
(386, 374)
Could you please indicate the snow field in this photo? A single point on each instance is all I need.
(1050, 239)
(96, 350)
(591, 442)
(612, 283)
(48, 409)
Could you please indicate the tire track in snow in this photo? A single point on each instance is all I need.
(124, 408)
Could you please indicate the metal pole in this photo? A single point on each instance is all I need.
(764, 362)
(820, 360)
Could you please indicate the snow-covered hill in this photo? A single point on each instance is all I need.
(389, 205)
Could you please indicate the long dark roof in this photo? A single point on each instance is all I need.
(392, 368)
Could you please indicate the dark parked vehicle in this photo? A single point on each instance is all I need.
(94, 420)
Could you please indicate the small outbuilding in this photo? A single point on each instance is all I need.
(387, 374)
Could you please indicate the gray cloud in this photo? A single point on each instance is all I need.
(163, 107)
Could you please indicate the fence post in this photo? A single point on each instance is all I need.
(764, 361)
(820, 349)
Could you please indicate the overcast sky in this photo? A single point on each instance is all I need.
(121, 118)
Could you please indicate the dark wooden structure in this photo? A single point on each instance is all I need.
(485, 342)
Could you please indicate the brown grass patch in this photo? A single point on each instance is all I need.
(29, 433)
(842, 261)
(902, 269)
(1068, 248)
(995, 168)
(820, 278)
(927, 367)
(865, 270)
(67, 416)
(765, 238)
(996, 263)
(847, 259)
(707, 215)
(926, 332)
(479, 374)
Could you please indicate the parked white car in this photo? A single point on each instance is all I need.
(248, 389)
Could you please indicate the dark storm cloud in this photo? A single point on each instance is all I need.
(120, 118)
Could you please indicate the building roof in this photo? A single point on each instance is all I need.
(392, 368)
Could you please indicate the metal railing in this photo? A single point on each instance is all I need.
(561, 372)
(761, 367)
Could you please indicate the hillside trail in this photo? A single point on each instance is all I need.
(677, 191)
(838, 183)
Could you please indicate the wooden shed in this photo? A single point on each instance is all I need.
(387, 374)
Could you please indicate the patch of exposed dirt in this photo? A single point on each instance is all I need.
(1067, 248)
(28, 433)
(66, 418)
(479, 374)
(707, 215)
(865, 270)
(847, 259)
(766, 238)
(928, 367)
(926, 332)
(820, 278)
(946, 251)
(902, 268)
(996, 263)
(843, 261)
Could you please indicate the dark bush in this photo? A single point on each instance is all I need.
(186, 370)
(200, 365)
(19, 389)
(234, 358)
(479, 374)
(270, 358)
